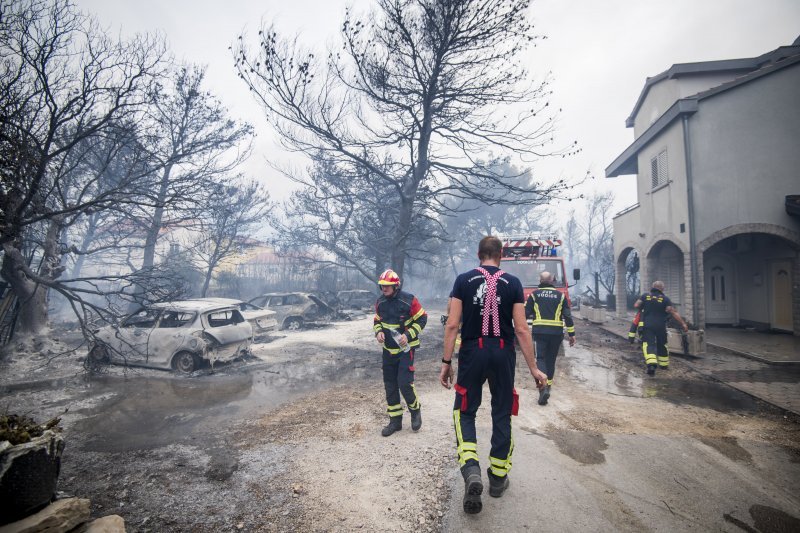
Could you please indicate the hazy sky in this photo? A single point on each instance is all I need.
(600, 53)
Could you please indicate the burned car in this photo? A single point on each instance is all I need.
(262, 320)
(357, 299)
(175, 335)
(296, 310)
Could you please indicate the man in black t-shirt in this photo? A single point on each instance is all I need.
(656, 308)
(492, 306)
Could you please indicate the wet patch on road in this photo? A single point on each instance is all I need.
(766, 518)
(729, 447)
(774, 520)
(224, 462)
(585, 448)
(148, 413)
(706, 394)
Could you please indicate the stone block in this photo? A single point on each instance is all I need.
(696, 339)
(58, 517)
(28, 475)
(108, 524)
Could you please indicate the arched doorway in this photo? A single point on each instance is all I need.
(760, 265)
(665, 263)
(628, 280)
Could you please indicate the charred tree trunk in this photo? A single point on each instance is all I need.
(156, 223)
(87, 241)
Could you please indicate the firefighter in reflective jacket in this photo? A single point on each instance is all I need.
(550, 311)
(399, 319)
(656, 308)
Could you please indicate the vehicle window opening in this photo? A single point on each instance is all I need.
(175, 319)
(224, 318)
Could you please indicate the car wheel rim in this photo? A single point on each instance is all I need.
(186, 362)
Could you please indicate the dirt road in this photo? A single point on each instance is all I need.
(290, 441)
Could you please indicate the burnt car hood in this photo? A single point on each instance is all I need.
(322, 305)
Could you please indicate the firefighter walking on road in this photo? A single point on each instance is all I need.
(492, 305)
(550, 312)
(656, 308)
(399, 319)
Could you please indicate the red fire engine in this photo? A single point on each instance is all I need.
(526, 256)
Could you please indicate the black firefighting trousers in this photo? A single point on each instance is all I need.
(398, 377)
(547, 346)
(480, 360)
(654, 346)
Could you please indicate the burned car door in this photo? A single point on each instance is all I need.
(131, 339)
(170, 335)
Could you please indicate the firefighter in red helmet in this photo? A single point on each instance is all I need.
(399, 319)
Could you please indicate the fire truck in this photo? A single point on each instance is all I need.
(526, 256)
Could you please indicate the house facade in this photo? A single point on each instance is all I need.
(716, 153)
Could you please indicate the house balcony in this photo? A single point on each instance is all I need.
(627, 227)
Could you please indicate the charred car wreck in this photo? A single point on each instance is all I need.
(175, 335)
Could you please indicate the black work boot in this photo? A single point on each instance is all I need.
(473, 488)
(651, 370)
(395, 424)
(497, 485)
(544, 395)
(416, 419)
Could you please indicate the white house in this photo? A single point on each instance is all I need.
(716, 153)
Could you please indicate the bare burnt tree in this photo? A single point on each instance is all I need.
(593, 233)
(120, 164)
(341, 210)
(63, 84)
(420, 96)
(193, 143)
(472, 219)
(232, 211)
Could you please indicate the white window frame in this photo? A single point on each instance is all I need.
(659, 172)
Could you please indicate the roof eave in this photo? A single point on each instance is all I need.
(627, 162)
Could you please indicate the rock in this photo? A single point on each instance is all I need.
(112, 523)
(28, 475)
(62, 515)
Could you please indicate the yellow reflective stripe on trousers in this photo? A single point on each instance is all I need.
(466, 450)
(395, 410)
(501, 467)
(663, 360)
(649, 358)
(416, 405)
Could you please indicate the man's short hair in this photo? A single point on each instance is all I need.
(490, 247)
(545, 277)
(659, 285)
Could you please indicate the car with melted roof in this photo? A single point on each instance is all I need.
(262, 320)
(179, 335)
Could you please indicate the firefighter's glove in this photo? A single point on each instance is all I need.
(444, 319)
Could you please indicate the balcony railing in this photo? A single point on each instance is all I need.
(627, 210)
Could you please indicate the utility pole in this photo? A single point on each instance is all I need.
(597, 289)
